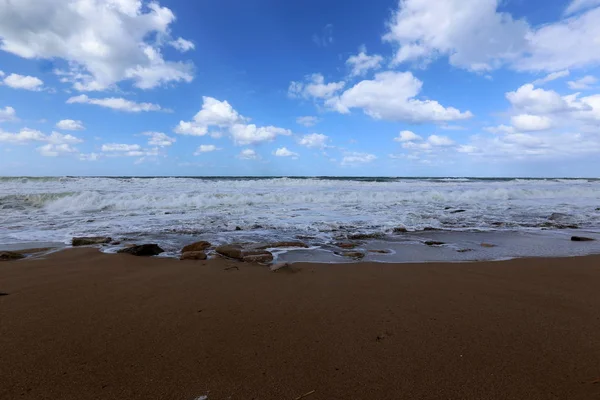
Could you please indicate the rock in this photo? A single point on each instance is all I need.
(464, 250)
(457, 211)
(193, 255)
(346, 245)
(598, 209)
(10, 256)
(431, 228)
(198, 246)
(488, 245)
(237, 228)
(87, 241)
(433, 243)
(380, 251)
(400, 229)
(557, 216)
(238, 252)
(265, 257)
(352, 254)
(283, 244)
(364, 236)
(581, 239)
(144, 250)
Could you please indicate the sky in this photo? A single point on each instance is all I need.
(483, 88)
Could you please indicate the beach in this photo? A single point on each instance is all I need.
(81, 324)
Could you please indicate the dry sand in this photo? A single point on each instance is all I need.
(85, 325)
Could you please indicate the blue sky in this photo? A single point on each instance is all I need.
(266, 87)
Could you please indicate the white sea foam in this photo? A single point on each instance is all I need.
(167, 209)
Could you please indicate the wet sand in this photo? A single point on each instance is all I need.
(80, 324)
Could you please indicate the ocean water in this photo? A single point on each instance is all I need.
(522, 216)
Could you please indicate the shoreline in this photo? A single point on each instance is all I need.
(105, 326)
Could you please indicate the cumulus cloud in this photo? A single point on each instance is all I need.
(528, 122)
(314, 87)
(407, 136)
(220, 114)
(362, 63)
(391, 96)
(314, 140)
(580, 5)
(120, 147)
(116, 103)
(102, 42)
(55, 150)
(27, 135)
(537, 101)
(24, 82)
(248, 154)
(70, 125)
(307, 121)
(8, 114)
(584, 83)
(182, 45)
(284, 152)
(159, 139)
(206, 148)
(355, 158)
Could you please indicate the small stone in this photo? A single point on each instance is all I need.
(598, 209)
(380, 251)
(352, 254)
(237, 228)
(283, 244)
(88, 241)
(457, 211)
(198, 246)
(434, 243)
(488, 245)
(144, 250)
(430, 228)
(581, 239)
(193, 255)
(464, 250)
(400, 229)
(364, 236)
(10, 256)
(265, 257)
(346, 245)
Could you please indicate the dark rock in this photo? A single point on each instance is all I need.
(431, 228)
(198, 246)
(283, 244)
(193, 255)
(352, 254)
(447, 208)
(497, 223)
(581, 239)
(144, 250)
(457, 211)
(237, 228)
(598, 209)
(10, 256)
(433, 243)
(364, 236)
(400, 229)
(87, 241)
(557, 216)
(346, 245)
(464, 250)
(380, 251)
(488, 245)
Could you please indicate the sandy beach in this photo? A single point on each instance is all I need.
(79, 324)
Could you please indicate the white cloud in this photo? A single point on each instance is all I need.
(248, 154)
(8, 114)
(103, 42)
(159, 139)
(584, 83)
(284, 152)
(55, 150)
(116, 103)
(537, 101)
(314, 87)
(551, 77)
(120, 147)
(528, 122)
(27, 135)
(205, 148)
(474, 35)
(307, 121)
(500, 129)
(89, 157)
(440, 141)
(391, 96)
(17, 81)
(70, 125)
(361, 63)
(580, 5)
(325, 38)
(182, 45)
(459, 29)
(354, 158)
(251, 134)
(407, 136)
(221, 114)
(314, 140)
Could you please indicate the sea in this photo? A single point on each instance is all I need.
(475, 219)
